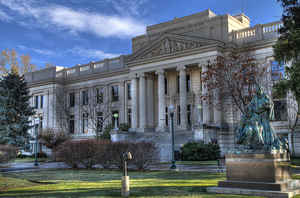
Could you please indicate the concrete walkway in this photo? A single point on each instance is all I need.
(29, 166)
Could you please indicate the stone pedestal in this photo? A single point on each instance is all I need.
(261, 174)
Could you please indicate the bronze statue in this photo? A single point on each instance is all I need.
(255, 131)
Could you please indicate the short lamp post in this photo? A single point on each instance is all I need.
(171, 111)
(116, 115)
(36, 129)
(125, 179)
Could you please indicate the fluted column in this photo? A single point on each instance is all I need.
(206, 111)
(217, 107)
(161, 100)
(122, 102)
(183, 97)
(142, 106)
(134, 104)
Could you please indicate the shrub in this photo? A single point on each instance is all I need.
(106, 133)
(53, 139)
(124, 127)
(197, 151)
(68, 152)
(7, 153)
(144, 153)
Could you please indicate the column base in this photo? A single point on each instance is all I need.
(161, 129)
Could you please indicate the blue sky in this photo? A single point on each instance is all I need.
(70, 32)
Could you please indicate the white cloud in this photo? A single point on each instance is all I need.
(36, 50)
(92, 53)
(129, 7)
(76, 21)
(4, 16)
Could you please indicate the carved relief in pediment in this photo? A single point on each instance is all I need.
(168, 46)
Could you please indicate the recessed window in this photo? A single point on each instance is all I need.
(99, 121)
(85, 97)
(178, 115)
(166, 86)
(280, 110)
(85, 122)
(128, 91)
(71, 124)
(166, 117)
(99, 95)
(129, 117)
(189, 114)
(36, 102)
(72, 99)
(115, 93)
(41, 101)
(188, 83)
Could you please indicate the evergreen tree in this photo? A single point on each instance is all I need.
(14, 110)
(287, 49)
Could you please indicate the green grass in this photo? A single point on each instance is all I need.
(107, 184)
(195, 163)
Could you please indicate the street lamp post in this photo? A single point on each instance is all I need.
(171, 111)
(116, 115)
(36, 126)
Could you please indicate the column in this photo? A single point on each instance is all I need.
(122, 103)
(150, 101)
(183, 97)
(142, 97)
(217, 108)
(134, 104)
(161, 100)
(205, 103)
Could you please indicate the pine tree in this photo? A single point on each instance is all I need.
(14, 110)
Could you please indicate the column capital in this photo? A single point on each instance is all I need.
(133, 76)
(141, 75)
(180, 67)
(160, 72)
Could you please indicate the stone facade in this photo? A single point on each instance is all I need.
(164, 69)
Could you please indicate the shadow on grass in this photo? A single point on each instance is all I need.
(153, 191)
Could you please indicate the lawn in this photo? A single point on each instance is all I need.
(106, 184)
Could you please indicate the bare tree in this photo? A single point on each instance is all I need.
(10, 61)
(233, 76)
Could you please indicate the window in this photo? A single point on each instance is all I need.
(99, 121)
(99, 95)
(71, 124)
(280, 110)
(129, 117)
(128, 91)
(178, 84)
(188, 83)
(115, 120)
(72, 99)
(178, 115)
(85, 97)
(166, 86)
(85, 123)
(41, 122)
(167, 117)
(41, 101)
(36, 102)
(189, 120)
(277, 70)
(115, 93)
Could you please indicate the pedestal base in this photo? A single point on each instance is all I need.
(258, 174)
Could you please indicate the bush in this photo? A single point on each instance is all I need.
(124, 127)
(53, 139)
(106, 133)
(197, 151)
(84, 152)
(91, 152)
(7, 153)
(144, 153)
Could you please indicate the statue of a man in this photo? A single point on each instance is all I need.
(255, 130)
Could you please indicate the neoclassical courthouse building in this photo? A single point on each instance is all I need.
(164, 69)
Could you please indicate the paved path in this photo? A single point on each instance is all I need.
(29, 166)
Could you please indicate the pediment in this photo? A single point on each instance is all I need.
(170, 44)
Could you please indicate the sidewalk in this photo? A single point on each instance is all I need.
(29, 166)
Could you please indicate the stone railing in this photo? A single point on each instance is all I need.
(256, 33)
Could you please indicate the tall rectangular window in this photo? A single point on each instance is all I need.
(41, 101)
(85, 97)
(178, 115)
(115, 93)
(85, 122)
(72, 124)
(129, 117)
(189, 115)
(167, 117)
(178, 84)
(36, 102)
(99, 121)
(188, 83)
(128, 91)
(166, 86)
(99, 95)
(41, 122)
(72, 99)
(280, 110)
